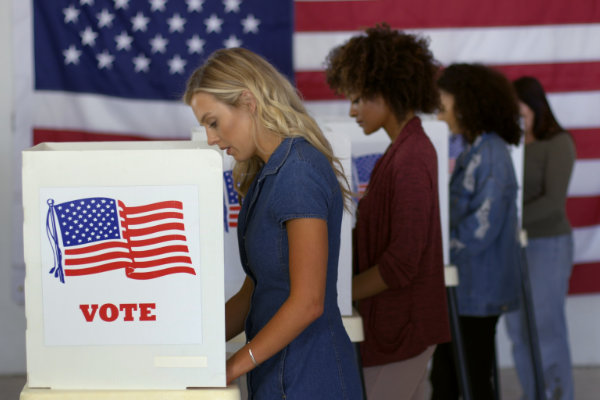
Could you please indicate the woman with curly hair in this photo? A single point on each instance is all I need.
(289, 231)
(479, 103)
(389, 77)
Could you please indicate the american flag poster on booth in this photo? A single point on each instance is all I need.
(232, 202)
(121, 265)
(234, 273)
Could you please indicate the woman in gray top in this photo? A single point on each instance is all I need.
(549, 159)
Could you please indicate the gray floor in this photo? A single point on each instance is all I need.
(587, 384)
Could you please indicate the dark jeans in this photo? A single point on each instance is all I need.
(479, 340)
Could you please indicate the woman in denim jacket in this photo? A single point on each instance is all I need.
(480, 104)
(288, 231)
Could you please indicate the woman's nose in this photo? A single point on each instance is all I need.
(211, 138)
(353, 112)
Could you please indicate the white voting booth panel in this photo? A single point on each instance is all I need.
(124, 265)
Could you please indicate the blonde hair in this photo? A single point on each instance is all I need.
(227, 73)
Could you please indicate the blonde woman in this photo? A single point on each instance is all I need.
(288, 231)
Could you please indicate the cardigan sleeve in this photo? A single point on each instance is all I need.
(414, 198)
(560, 158)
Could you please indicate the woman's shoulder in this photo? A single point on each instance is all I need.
(560, 142)
(304, 182)
(303, 148)
(491, 145)
(416, 146)
(561, 139)
(303, 151)
(561, 145)
(304, 158)
(492, 138)
(493, 153)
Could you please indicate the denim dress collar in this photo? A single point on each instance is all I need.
(273, 164)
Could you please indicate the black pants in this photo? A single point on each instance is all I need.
(479, 340)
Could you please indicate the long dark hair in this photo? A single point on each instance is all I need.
(530, 91)
(484, 101)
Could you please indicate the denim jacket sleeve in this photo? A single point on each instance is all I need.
(480, 200)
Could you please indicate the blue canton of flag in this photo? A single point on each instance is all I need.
(147, 49)
(88, 220)
(456, 145)
(233, 207)
(362, 167)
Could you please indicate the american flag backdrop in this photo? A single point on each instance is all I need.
(147, 49)
(99, 234)
(113, 69)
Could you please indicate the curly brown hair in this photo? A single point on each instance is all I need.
(392, 64)
(484, 101)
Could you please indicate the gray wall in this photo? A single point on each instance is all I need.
(12, 315)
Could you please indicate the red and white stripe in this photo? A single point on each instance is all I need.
(156, 234)
(154, 245)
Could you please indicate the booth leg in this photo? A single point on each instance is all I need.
(457, 345)
(495, 375)
(360, 369)
(534, 345)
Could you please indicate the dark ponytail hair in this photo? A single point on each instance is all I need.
(530, 91)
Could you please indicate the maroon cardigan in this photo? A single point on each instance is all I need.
(398, 228)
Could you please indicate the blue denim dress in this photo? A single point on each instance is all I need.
(296, 182)
(484, 228)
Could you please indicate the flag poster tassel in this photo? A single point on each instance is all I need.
(57, 269)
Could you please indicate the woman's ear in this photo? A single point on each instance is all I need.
(248, 99)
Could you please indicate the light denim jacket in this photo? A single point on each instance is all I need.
(484, 229)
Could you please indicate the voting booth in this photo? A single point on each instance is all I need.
(124, 266)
